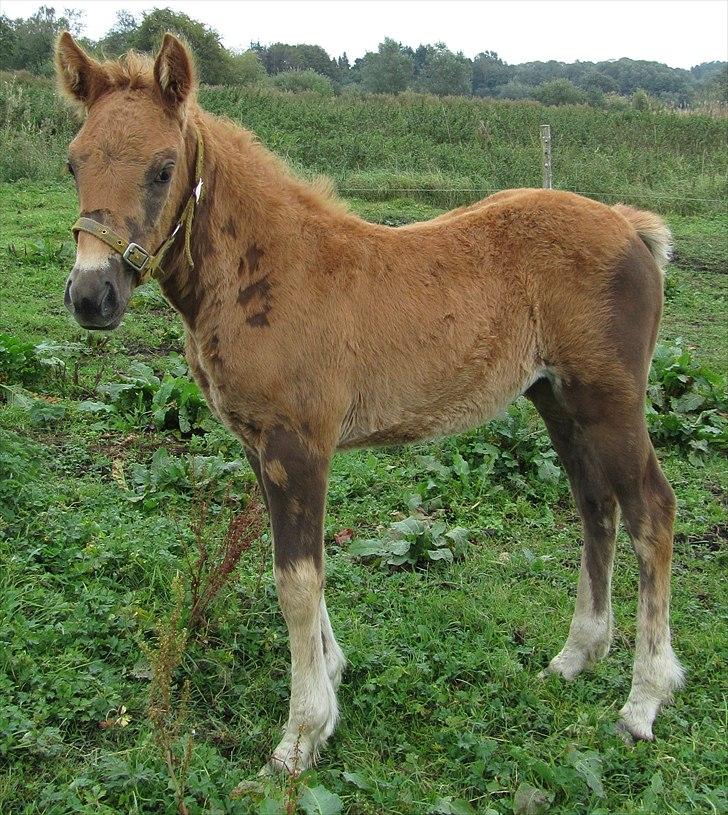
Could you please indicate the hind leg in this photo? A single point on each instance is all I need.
(620, 454)
(648, 505)
(590, 631)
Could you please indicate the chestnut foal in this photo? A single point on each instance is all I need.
(310, 330)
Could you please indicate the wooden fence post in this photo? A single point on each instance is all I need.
(548, 180)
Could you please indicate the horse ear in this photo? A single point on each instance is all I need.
(174, 71)
(81, 78)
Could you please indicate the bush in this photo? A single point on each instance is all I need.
(247, 69)
(641, 100)
(173, 402)
(559, 92)
(18, 360)
(303, 82)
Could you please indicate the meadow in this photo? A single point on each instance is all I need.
(112, 471)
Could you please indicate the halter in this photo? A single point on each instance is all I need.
(144, 263)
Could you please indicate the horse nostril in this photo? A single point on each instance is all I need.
(67, 295)
(109, 302)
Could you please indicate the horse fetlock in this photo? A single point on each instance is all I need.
(303, 740)
(655, 679)
(588, 642)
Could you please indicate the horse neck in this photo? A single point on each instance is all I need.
(250, 202)
(251, 192)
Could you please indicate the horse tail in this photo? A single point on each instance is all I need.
(653, 231)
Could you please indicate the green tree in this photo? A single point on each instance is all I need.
(712, 80)
(28, 43)
(346, 75)
(445, 73)
(536, 73)
(246, 69)
(213, 60)
(280, 57)
(388, 70)
(598, 81)
(8, 40)
(657, 79)
(515, 90)
(419, 58)
(559, 92)
(489, 71)
(120, 37)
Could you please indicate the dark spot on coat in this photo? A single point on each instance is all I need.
(249, 261)
(296, 535)
(133, 232)
(253, 256)
(636, 300)
(259, 289)
(230, 229)
(184, 295)
(259, 320)
(212, 350)
(256, 299)
(99, 215)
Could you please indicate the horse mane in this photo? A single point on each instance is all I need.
(318, 192)
(131, 71)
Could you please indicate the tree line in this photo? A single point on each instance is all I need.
(26, 44)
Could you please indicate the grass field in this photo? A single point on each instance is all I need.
(442, 710)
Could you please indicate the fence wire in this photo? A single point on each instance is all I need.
(481, 190)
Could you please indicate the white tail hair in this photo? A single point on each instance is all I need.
(652, 229)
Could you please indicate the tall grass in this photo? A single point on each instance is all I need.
(35, 128)
(441, 151)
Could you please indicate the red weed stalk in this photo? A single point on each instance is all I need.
(211, 573)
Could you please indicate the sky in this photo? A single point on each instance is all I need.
(681, 33)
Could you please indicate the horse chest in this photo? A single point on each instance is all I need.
(230, 394)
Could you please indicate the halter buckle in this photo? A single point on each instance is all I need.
(137, 257)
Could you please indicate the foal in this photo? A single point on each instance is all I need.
(310, 330)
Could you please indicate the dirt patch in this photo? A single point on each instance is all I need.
(711, 259)
(138, 348)
(712, 540)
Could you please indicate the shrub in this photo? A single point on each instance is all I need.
(641, 100)
(19, 362)
(247, 69)
(304, 81)
(559, 92)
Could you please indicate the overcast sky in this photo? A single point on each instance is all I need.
(681, 33)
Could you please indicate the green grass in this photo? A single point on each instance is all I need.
(448, 151)
(441, 699)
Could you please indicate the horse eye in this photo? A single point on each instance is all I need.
(164, 175)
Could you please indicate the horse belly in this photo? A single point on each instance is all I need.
(452, 402)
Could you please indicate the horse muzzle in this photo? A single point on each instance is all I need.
(95, 298)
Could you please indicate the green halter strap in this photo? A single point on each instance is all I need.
(144, 263)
